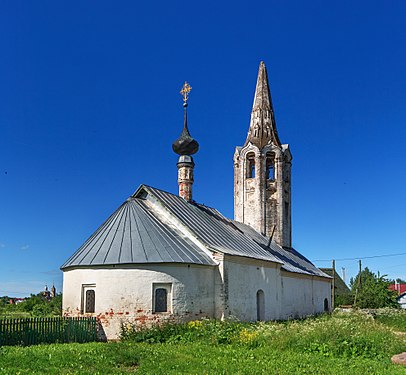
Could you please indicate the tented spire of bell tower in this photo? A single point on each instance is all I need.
(262, 129)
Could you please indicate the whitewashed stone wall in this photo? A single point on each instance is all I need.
(286, 295)
(126, 294)
(303, 295)
(243, 279)
(229, 290)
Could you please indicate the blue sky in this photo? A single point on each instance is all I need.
(90, 104)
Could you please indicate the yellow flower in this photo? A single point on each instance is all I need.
(195, 324)
(247, 336)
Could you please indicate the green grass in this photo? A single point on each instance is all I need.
(91, 358)
(395, 318)
(339, 344)
(5, 314)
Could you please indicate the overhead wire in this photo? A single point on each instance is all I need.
(358, 258)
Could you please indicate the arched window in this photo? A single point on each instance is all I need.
(90, 301)
(326, 309)
(250, 165)
(260, 305)
(270, 166)
(161, 300)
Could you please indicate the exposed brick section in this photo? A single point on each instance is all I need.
(185, 176)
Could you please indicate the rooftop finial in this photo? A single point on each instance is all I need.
(186, 89)
(185, 144)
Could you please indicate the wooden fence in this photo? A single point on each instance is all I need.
(31, 331)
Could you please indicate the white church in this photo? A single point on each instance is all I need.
(162, 256)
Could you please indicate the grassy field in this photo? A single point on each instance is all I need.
(13, 314)
(339, 344)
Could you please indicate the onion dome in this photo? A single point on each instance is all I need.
(185, 144)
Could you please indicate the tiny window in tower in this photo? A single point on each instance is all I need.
(251, 165)
(270, 166)
(287, 213)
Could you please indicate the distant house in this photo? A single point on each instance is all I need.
(16, 301)
(401, 290)
(402, 300)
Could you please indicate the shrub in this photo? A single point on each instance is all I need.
(345, 335)
(209, 330)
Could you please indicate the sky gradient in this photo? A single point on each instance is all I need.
(90, 105)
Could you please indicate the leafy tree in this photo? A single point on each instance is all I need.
(37, 305)
(398, 280)
(344, 299)
(5, 300)
(372, 291)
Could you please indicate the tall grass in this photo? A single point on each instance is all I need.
(395, 318)
(339, 335)
(339, 344)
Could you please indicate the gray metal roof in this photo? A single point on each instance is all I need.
(138, 232)
(213, 229)
(230, 237)
(132, 234)
(292, 260)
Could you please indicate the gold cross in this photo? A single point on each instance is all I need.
(185, 91)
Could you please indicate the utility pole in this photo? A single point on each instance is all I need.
(359, 279)
(333, 292)
(359, 284)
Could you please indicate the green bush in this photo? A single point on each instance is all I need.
(208, 330)
(341, 334)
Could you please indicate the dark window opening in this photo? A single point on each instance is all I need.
(90, 301)
(161, 300)
(260, 305)
(251, 165)
(326, 309)
(287, 212)
(270, 166)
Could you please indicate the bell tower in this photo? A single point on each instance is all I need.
(262, 172)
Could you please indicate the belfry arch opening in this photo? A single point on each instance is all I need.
(250, 172)
(270, 166)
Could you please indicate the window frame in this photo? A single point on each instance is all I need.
(168, 288)
(86, 288)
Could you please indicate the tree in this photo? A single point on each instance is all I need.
(5, 300)
(372, 291)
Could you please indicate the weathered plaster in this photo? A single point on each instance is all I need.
(125, 294)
